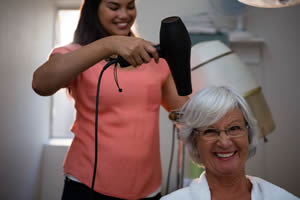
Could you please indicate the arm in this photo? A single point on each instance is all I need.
(170, 99)
(60, 69)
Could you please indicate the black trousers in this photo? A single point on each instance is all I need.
(78, 191)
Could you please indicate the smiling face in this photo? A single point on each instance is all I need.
(225, 155)
(117, 16)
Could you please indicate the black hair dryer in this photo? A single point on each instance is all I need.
(175, 47)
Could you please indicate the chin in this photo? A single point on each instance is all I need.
(122, 32)
(228, 168)
(227, 171)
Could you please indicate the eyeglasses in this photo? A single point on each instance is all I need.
(234, 131)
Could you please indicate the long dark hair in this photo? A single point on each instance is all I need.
(89, 28)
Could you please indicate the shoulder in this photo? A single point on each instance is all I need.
(262, 189)
(180, 194)
(66, 48)
(163, 65)
(197, 190)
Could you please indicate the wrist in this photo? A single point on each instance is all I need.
(105, 46)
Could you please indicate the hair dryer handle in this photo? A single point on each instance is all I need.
(124, 63)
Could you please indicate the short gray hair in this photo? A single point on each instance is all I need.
(207, 107)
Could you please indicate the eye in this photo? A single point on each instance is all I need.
(235, 128)
(113, 6)
(210, 132)
(131, 6)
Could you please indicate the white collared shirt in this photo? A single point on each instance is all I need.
(261, 190)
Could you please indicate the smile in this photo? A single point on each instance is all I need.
(225, 155)
(122, 25)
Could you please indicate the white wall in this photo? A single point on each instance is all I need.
(280, 78)
(25, 41)
(52, 179)
(26, 38)
(150, 14)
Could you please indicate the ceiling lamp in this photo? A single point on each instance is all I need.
(270, 3)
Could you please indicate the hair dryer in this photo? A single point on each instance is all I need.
(175, 47)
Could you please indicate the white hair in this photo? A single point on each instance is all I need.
(207, 107)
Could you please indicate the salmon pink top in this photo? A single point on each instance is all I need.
(129, 165)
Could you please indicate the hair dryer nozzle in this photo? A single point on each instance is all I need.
(175, 46)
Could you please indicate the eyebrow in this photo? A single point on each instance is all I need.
(132, 1)
(237, 120)
(117, 3)
(112, 2)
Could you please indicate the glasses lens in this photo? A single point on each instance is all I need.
(235, 131)
(210, 133)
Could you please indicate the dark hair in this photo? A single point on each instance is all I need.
(89, 28)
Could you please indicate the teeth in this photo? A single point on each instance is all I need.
(225, 155)
(122, 24)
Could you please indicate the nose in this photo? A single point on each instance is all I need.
(224, 140)
(123, 13)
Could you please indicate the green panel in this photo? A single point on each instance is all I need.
(196, 38)
(194, 170)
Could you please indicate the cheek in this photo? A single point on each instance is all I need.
(106, 22)
(134, 14)
(100, 17)
(244, 146)
(104, 15)
(203, 150)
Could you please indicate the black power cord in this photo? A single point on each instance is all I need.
(96, 120)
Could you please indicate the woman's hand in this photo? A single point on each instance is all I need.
(135, 51)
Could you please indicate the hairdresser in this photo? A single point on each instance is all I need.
(129, 165)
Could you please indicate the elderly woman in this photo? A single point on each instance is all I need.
(220, 134)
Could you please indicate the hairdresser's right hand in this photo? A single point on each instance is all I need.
(134, 50)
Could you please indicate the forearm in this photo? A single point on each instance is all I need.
(170, 98)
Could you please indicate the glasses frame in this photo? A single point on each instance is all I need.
(219, 131)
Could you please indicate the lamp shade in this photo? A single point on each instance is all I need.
(271, 3)
(214, 64)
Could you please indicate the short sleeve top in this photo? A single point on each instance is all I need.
(129, 165)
